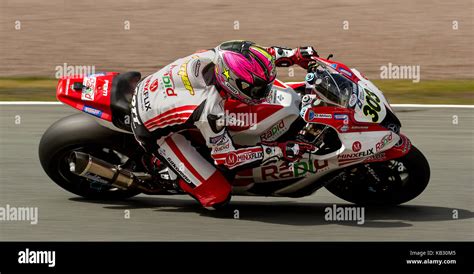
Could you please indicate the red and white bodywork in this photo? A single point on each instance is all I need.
(358, 127)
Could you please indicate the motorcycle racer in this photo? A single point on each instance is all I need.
(190, 93)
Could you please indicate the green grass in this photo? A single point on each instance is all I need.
(28, 89)
(428, 92)
(396, 91)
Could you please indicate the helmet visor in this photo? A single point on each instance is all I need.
(257, 91)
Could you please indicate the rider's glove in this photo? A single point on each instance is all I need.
(290, 151)
(303, 55)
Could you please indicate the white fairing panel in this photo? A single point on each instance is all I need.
(371, 104)
(275, 125)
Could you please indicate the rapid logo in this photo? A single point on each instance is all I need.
(299, 169)
(385, 140)
(274, 132)
(221, 148)
(88, 89)
(168, 85)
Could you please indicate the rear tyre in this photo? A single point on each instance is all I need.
(82, 133)
(382, 184)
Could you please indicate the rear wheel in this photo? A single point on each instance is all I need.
(392, 182)
(81, 133)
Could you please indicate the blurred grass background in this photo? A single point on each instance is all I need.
(396, 91)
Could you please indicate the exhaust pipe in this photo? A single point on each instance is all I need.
(90, 167)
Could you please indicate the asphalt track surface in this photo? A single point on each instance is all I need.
(66, 217)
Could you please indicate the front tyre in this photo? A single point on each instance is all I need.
(392, 182)
(82, 133)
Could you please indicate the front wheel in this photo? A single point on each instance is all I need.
(81, 133)
(392, 182)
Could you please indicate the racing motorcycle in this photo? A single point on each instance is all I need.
(361, 155)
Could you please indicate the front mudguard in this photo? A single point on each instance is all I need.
(400, 149)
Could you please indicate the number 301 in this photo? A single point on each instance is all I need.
(372, 106)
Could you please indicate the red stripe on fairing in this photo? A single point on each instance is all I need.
(295, 85)
(178, 109)
(183, 159)
(172, 119)
(280, 84)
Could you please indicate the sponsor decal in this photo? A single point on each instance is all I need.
(360, 95)
(218, 140)
(356, 155)
(404, 144)
(383, 142)
(196, 68)
(92, 111)
(274, 132)
(352, 100)
(280, 97)
(221, 148)
(359, 127)
(184, 78)
(168, 84)
(154, 85)
(105, 88)
(345, 72)
(343, 117)
(179, 170)
(344, 128)
(233, 158)
(89, 89)
(309, 166)
(298, 169)
(323, 116)
(232, 89)
(311, 114)
(356, 146)
(226, 74)
(271, 97)
(376, 157)
(146, 95)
